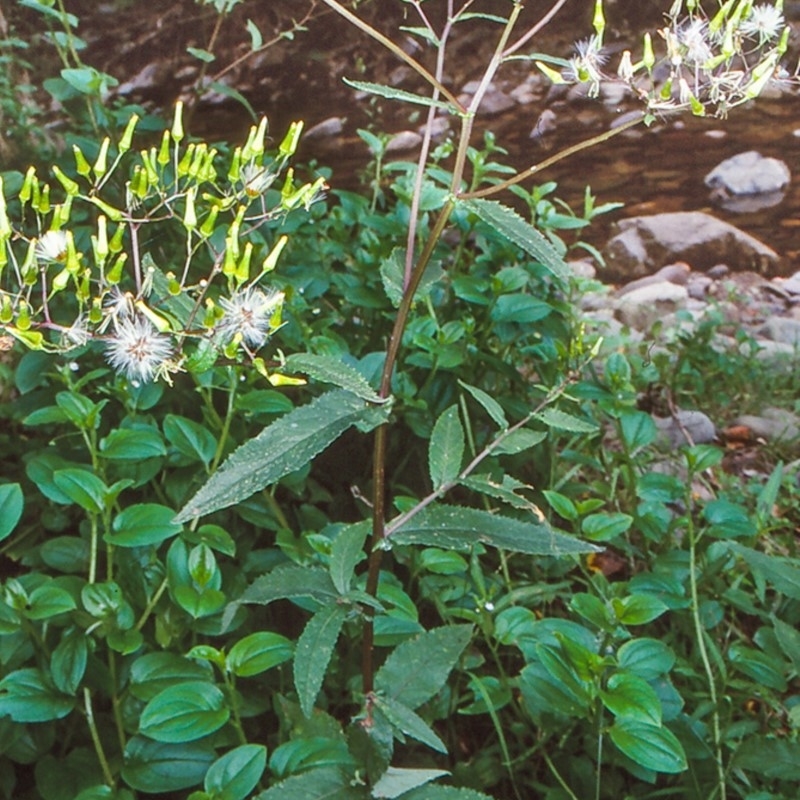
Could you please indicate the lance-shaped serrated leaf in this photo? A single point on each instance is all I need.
(446, 449)
(492, 407)
(511, 225)
(409, 723)
(396, 781)
(346, 551)
(333, 370)
(554, 418)
(390, 93)
(418, 667)
(324, 783)
(445, 793)
(313, 653)
(286, 445)
(505, 490)
(458, 528)
(393, 269)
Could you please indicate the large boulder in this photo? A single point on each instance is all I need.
(748, 182)
(643, 245)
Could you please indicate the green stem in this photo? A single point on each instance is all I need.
(557, 776)
(98, 744)
(226, 423)
(115, 704)
(151, 605)
(721, 788)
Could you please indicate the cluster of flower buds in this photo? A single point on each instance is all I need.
(66, 283)
(709, 64)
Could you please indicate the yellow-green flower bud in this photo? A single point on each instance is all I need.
(114, 275)
(81, 164)
(190, 215)
(23, 321)
(599, 20)
(207, 171)
(138, 184)
(6, 310)
(289, 144)
(236, 165)
(96, 311)
(62, 213)
(5, 225)
(243, 267)
(229, 262)
(27, 186)
(783, 43)
(29, 268)
(272, 259)
(173, 285)
(101, 164)
(149, 163)
(207, 228)
(114, 214)
(199, 155)
(127, 136)
(177, 123)
(247, 150)
(210, 316)
(84, 290)
(258, 139)
(70, 187)
(59, 283)
(186, 161)
(163, 151)
(43, 203)
(648, 56)
(233, 346)
(73, 260)
(115, 245)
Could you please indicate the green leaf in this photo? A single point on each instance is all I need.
(82, 487)
(286, 445)
(789, 640)
(446, 449)
(728, 520)
(505, 491)
(561, 504)
(203, 55)
(782, 573)
(256, 39)
(68, 662)
(490, 405)
(445, 793)
(778, 759)
(143, 525)
(26, 696)
(518, 441)
(511, 225)
(650, 746)
(637, 609)
(326, 783)
(408, 722)
(157, 767)
(154, 672)
(457, 528)
(627, 695)
(647, 658)
(763, 669)
(522, 309)
(302, 753)
(184, 713)
(418, 668)
(390, 93)
(638, 430)
(257, 653)
(289, 582)
(603, 527)
(133, 444)
(393, 274)
(234, 775)
(347, 550)
(554, 418)
(313, 653)
(11, 504)
(190, 438)
(398, 780)
(329, 369)
(49, 601)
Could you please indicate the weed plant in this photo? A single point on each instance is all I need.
(322, 500)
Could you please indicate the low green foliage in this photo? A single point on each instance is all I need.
(289, 514)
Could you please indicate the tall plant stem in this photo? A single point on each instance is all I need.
(379, 448)
(96, 740)
(721, 789)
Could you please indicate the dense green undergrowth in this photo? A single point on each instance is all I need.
(285, 513)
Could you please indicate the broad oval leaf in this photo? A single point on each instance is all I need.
(82, 487)
(234, 775)
(157, 767)
(257, 653)
(647, 658)
(11, 504)
(627, 695)
(26, 696)
(650, 746)
(142, 525)
(190, 438)
(286, 445)
(154, 672)
(68, 662)
(397, 781)
(184, 713)
(133, 444)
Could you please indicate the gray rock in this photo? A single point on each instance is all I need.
(749, 173)
(641, 308)
(494, 101)
(672, 273)
(327, 129)
(673, 431)
(791, 284)
(403, 141)
(782, 329)
(773, 424)
(644, 244)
